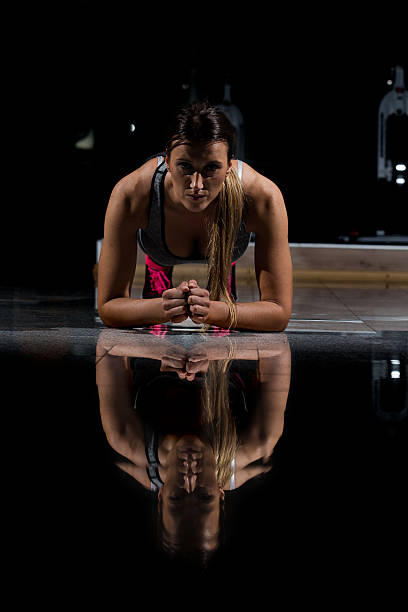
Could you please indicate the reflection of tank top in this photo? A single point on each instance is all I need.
(152, 456)
(152, 240)
(241, 397)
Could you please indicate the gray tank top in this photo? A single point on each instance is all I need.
(152, 240)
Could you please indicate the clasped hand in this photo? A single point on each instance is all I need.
(187, 364)
(186, 300)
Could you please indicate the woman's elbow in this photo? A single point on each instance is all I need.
(105, 315)
(283, 321)
(278, 318)
(277, 326)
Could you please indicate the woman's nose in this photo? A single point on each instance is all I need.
(196, 181)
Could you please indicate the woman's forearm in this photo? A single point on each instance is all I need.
(131, 312)
(256, 316)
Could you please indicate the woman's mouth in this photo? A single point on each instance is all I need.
(195, 197)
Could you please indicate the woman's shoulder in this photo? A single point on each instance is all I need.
(257, 185)
(138, 182)
(263, 197)
(132, 192)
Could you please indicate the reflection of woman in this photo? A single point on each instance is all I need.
(196, 205)
(182, 440)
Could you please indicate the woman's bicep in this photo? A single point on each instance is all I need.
(273, 263)
(117, 261)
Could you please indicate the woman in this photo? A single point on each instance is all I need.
(199, 205)
(194, 436)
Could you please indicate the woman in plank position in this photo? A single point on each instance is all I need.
(197, 204)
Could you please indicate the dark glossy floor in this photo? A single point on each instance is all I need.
(320, 413)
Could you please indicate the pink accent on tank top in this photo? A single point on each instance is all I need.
(158, 274)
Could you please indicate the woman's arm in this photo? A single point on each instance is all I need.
(267, 419)
(122, 425)
(127, 208)
(273, 265)
(120, 422)
(117, 262)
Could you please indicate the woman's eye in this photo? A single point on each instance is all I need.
(187, 166)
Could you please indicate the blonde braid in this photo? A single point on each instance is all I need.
(223, 231)
(217, 419)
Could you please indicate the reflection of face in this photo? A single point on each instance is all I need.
(197, 173)
(190, 497)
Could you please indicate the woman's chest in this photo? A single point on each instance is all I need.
(185, 236)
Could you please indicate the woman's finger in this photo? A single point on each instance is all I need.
(169, 304)
(198, 310)
(177, 292)
(175, 312)
(193, 368)
(199, 301)
(199, 291)
(186, 375)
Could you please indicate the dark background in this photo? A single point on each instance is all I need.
(309, 101)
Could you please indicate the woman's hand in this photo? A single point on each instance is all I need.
(186, 300)
(198, 302)
(175, 303)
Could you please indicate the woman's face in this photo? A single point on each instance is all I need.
(191, 496)
(197, 173)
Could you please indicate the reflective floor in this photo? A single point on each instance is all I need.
(164, 453)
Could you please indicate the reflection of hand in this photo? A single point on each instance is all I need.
(198, 360)
(121, 342)
(175, 303)
(187, 365)
(199, 302)
(173, 358)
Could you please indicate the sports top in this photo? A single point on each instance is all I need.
(152, 239)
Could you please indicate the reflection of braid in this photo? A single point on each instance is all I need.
(223, 232)
(218, 422)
